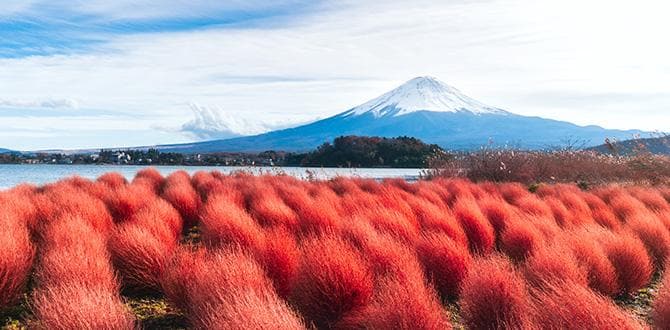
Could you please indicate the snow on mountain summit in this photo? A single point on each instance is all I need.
(422, 94)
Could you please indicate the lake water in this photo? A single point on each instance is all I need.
(11, 175)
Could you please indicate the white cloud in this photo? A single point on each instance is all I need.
(44, 103)
(503, 53)
(213, 123)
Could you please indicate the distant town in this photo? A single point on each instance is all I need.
(345, 151)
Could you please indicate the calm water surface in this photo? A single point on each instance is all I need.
(11, 175)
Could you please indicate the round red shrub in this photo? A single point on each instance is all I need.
(333, 280)
(553, 263)
(17, 253)
(113, 179)
(446, 263)
(591, 257)
(477, 228)
(563, 305)
(180, 193)
(399, 305)
(519, 239)
(68, 307)
(629, 257)
(224, 223)
(494, 296)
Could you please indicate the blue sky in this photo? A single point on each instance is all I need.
(79, 74)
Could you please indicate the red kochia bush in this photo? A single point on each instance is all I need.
(592, 258)
(497, 211)
(74, 253)
(446, 263)
(17, 253)
(630, 260)
(150, 176)
(66, 307)
(179, 191)
(601, 212)
(432, 217)
(140, 255)
(494, 296)
(399, 305)
(563, 305)
(124, 201)
(333, 280)
(224, 223)
(661, 308)
(553, 263)
(76, 286)
(519, 239)
(281, 259)
(315, 214)
(113, 180)
(476, 226)
(226, 289)
(270, 210)
(653, 234)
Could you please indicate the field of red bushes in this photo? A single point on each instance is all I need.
(213, 251)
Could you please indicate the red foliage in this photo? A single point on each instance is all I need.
(226, 290)
(270, 210)
(181, 194)
(498, 212)
(602, 213)
(626, 207)
(591, 257)
(651, 198)
(67, 307)
(392, 222)
(316, 215)
(630, 260)
(140, 255)
(653, 234)
(494, 296)
(333, 280)
(77, 288)
(224, 223)
(512, 192)
(435, 219)
(17, 253)
(113, 180)
(551, 264)
(281, 259)
(123, 202)
(563, 305)
(399, 305)
(446, 263)
(519, 239)
(150, 176)
(160, 214)
(74, 253)
(62, 200)
(661, 308)
(478, 230)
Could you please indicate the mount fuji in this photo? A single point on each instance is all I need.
(425, 108)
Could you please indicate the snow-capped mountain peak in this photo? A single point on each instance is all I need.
(422, 94)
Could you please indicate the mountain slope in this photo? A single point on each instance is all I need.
(427, 109)
(656, 145)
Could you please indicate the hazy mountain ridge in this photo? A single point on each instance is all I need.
(655, 145)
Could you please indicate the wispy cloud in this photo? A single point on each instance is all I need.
(45, 103)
